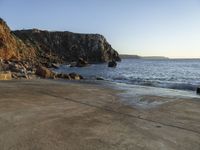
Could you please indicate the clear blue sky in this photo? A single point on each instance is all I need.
(144, 27)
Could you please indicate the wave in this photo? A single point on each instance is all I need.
(161, 83)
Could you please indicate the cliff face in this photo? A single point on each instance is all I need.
(69, 46)
(45, 46)
(11, 46)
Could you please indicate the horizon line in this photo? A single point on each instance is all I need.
(160, 56)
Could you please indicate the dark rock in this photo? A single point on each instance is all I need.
(56, 66)
(81, 63)
(75, 76)
(17, 67)
(14, 76)
(63, 76)
(44, 72)
(99, 78)
(112, 64)
(81, 77)
(73, 64)
(20, 75)
(198, 90)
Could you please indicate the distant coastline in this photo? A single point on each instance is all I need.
(126, 56)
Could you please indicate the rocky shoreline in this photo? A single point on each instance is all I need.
(32, 53)
(25, 70)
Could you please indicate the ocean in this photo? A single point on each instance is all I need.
(181, 74)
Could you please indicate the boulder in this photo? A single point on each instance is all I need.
(198, 90)
(73, 64)
(99, 78)
(21, 75)
(54, 65)
(81, 63)
(44, 72)
(63, 76)
(75, 76)
(5, 75)
(14, 76)
(112, 64)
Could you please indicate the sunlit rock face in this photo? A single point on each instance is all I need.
(11, 46)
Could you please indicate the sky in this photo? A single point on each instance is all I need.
(168, 28)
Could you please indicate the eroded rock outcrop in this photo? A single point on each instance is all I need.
(68, 46)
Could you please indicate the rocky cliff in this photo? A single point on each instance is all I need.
(13, 47)
(29, 53)
(44, 46)
(68, 46)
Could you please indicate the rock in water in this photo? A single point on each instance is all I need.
(198, 90)
(54, 65)
(81, 63)
(99, 78)
(112, 64)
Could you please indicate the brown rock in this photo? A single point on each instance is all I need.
(75, 76)
(81, 63)
(44, 72)
(12, 47)
(14, 75)
(5, 75)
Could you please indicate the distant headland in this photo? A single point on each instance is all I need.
(126, 56)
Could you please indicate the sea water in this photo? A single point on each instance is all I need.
(182, 74)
